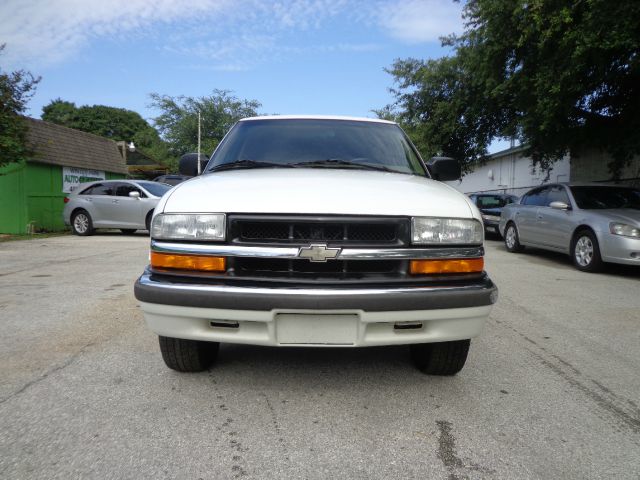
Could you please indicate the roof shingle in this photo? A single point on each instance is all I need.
(58, 145)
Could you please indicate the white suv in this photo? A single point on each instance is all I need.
(316, 231)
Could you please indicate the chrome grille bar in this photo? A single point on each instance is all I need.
(292, 252)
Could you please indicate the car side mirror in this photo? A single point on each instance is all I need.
(444, 169)
(189, 164)
(559, 206)
(134, 194)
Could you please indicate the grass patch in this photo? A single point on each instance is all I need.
(10, 237)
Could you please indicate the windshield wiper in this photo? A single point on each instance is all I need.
(248, 164)
(338, 162)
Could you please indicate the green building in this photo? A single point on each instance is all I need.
(32, 193)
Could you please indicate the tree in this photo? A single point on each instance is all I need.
(558, 76)
(178, 120)
(117, 124)
(16, 89)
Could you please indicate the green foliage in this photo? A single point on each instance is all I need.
(178, 120)
(16, 89)
(117, 124)
(558, 76)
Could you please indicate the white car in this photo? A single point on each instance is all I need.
(319, 232)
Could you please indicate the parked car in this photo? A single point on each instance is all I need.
(317, 232)
(594, 223)
(124, 204)
(490, 205)
(172, 179)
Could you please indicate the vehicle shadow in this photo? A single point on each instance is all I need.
(340, 367)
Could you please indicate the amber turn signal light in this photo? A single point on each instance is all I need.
(188, 262)
(430, 267)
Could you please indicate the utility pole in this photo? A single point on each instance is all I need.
(199, 166)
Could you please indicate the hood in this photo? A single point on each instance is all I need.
(317, 191)
(620, 215)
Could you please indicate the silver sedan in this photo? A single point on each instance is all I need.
(124, 204)
(593, 223)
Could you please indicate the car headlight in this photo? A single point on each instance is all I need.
(624, 230)
(435, 231)
(180, 226)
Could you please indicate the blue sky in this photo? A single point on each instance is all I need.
(294, 56)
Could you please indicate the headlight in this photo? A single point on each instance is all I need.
(427, 230)
(624, 230)
(179, 226)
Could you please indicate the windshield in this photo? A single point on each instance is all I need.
(493, 201)
(155, 188)
(316, 143)
(598, 198)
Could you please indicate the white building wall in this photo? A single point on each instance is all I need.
(510, 172)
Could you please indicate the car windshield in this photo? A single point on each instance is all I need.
(493, 201)
(599, 198)
(317, 143)
(155, 188)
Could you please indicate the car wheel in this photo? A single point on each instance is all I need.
(188, 355)
(128, 231)
(81, 223)
(444, 358)
(511, 239)
(585, 252)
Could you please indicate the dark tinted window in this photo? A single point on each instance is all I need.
(595, 197)
(100, 189)
(557, 193)
(492, 201)
(155, 188)
(123, 190)
(535, 197)
(288, 142)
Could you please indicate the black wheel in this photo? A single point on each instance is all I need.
(444, 358)
(188, 355)
(147, 221)
(511, 238)
(128, 231)
(585, 252)
(81, 223)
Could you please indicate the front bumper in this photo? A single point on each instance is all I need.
(619, 249)
(315, 316)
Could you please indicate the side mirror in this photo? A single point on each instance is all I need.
(559, 206)
(189, 164)
(444, 169)
(134, 194)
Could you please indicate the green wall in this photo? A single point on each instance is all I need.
(33, 193)
(13, 208)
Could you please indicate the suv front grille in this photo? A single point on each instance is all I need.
(332, 230)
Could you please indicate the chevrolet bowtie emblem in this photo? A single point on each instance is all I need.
(318, 252)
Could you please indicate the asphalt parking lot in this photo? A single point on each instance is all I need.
(550, 390)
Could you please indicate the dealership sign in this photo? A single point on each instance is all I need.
(72, 177)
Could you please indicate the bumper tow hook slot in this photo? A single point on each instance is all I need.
(407, 325)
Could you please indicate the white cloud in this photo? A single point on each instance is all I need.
(417, 21)
(233, 34)
(41, 32)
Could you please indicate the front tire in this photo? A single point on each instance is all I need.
(444, 358)
(585, 252)
(81, 223)
(511, 238)
(188, 355)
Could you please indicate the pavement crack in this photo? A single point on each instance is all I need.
(277, 427)
(47, 374)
